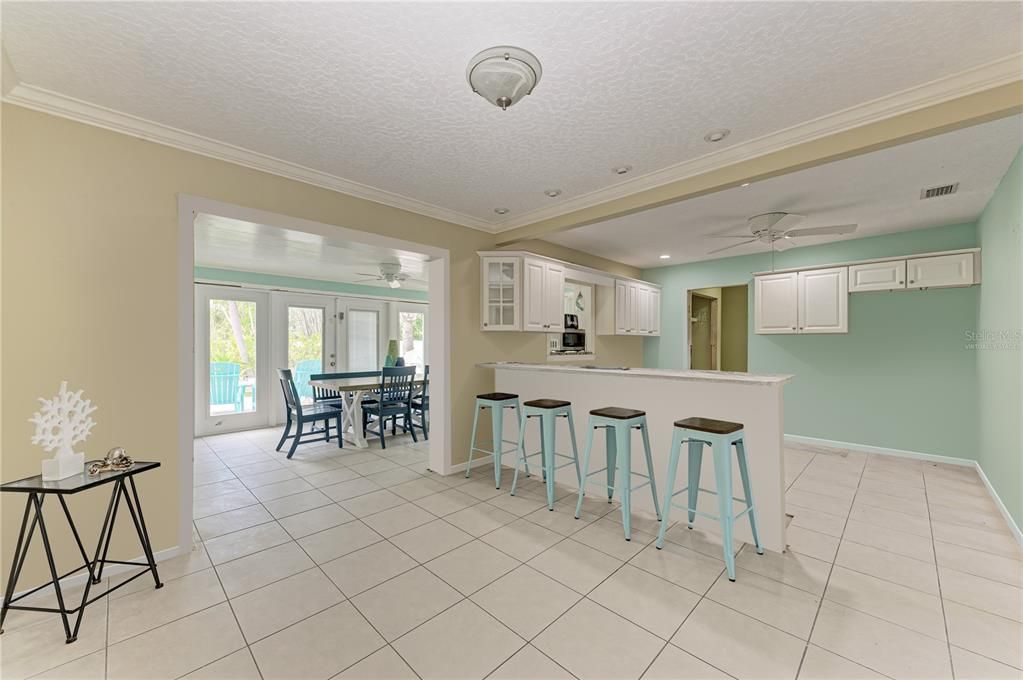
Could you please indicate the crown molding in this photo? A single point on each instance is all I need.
(46, 101)
(984, 77)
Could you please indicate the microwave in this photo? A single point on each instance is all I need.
(573, 340)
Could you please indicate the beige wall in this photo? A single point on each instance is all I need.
(89, 276)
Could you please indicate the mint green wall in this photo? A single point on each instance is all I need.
(1000, 369)
(255, 278)
(901, 378)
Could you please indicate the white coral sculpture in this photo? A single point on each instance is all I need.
(63, 421)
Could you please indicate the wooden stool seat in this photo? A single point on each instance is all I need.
(617, 413)
(546, 403)
(709, 425)
(496, 396)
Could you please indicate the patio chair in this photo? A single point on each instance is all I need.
(299, 415)
(225, 384)
(395, 399)
(303, 372)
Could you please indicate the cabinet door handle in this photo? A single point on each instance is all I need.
(484, 325)
(912, 281)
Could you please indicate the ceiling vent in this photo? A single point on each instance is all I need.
(943, 190)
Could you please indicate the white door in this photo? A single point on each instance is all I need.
(304, 329)
(775, 307)
(877, 276)
(233, 379)
(411, 334)
(941, 271)
(554, 297)
(655, 311)
(500, 294)
(364, 340)
(534, 307)
(621, 307)
(823, 300)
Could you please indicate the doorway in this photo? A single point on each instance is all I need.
(717, 328)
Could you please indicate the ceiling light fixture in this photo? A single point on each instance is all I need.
(621, 169)
(665, 257)
(716, 135)
(503, 75)
(553, 193)
(501, 211)
(745, 184)
(394, 283)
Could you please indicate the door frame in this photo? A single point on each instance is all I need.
(715, 349)
(438, 325)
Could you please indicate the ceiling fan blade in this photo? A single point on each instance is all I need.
(822, 231)
(372, 276)
(375, 278)
(728, 236)
(787, 222)
(782, 244)
(734, 245)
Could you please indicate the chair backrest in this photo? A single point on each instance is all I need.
(303, 372)
(292, 402)
(321, 393)
(425, 392)
(396, 383)
(224, 377)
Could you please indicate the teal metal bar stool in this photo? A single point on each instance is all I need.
(548, 411)
(720, 435)
(618, 424)
(497, 402)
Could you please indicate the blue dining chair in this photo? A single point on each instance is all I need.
(394, 399)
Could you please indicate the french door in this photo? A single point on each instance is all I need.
(232, 352)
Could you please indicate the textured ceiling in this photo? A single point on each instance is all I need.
(375, 92)
(233, 244)
(879, 191)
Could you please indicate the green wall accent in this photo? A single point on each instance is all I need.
(255, 278)
(1000, 357)
(734, 337)
(901, 372)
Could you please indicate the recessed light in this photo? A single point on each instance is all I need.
(745, 184)
(553, 193)
(501, 211)
(621, 169)
(665, 257)
(717, 135)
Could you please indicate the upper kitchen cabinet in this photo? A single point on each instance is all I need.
(812, 301)
(941, 271)
(543, 289)
(502, 307)
(888, 275)
(637, 309)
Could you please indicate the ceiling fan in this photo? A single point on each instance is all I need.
(391, 273)
(776, 229)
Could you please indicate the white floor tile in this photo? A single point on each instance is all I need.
(791, 568)
(894, 603)
(245, 542)
(820, 664)
(280, 604)
(526, 600)
(521, 539)
(398, 519)
(262, 568)
(776, 604)
(482, 644)
(646, 600)
(529, 663)
(986, 634)
(675, 664)
(890, 566)
(970, 666)
(472, 566)
(684, 567)
(359, 571)
(331, 544)
(981, 593)
(384, 664)
(575, 565)
(237, 666)
(397, 606)
(317, 519)
(148, 609)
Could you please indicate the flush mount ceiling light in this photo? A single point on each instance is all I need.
(745, 184)
(716, 135)
(553, 193)
(621, 169)
(503, 75)
(665, 257)
(501, 211)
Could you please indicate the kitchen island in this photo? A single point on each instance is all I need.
(666, 396)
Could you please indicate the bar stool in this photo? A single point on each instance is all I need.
(548, 411)
(618, 424)
(497, 402)
(720, 435)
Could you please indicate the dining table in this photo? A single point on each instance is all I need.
(353, 391)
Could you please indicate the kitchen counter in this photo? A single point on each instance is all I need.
(755, 400)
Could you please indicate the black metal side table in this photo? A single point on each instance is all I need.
(37, 491)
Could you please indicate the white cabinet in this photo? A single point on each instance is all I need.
(940, 271)
(775, 306)
(543, 290)
(888, 275)
(823, 296)
(813, 301)
(501, 303)
(637, 309)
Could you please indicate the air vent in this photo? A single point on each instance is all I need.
(943, 190)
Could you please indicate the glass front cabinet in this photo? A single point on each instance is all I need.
(502, 306)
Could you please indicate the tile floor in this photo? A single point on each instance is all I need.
(361, 564)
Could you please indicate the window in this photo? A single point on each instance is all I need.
(412, 338)
(363, 344)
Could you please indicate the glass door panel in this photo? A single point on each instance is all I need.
(306, 346)
(363, 340)
(412, 337)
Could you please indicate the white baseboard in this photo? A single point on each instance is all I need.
(1013, 527)
(867, 448)
(948, 460)
(116, 569)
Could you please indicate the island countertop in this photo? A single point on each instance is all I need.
(665, 396)
(665, 373)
